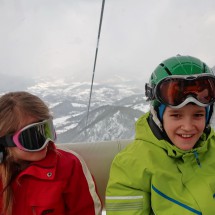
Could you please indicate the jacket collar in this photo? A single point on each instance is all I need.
(43, 169)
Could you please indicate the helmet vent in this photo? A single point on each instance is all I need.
(166, 69)
(204, 68)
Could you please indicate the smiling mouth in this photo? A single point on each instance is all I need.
(186, 135)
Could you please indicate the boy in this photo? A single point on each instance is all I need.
(170, 167)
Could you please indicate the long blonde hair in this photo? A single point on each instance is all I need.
(14, 107)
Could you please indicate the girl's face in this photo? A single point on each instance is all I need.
(185, 125)
(19, 154)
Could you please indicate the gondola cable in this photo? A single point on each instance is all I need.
(94, 67)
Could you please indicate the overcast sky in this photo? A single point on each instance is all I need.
(57, 38)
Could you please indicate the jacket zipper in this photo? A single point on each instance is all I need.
(196, 155)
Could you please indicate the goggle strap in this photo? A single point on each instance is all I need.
(7, 141)
(2, 141)
(149, 92)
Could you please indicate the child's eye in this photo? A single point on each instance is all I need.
(199, 115)
(175, 115)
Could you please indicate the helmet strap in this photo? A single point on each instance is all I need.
(209, 113)
(161, 110)
(155, 117)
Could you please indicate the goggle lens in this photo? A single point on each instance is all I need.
(34, 137)
(174, 91)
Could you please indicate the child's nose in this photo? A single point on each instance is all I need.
(187, 124)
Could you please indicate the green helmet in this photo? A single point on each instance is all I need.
(178, 65)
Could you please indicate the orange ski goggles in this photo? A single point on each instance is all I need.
(176, 91)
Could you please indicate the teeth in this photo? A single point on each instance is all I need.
(186, 135)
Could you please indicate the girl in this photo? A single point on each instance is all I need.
(36, 177)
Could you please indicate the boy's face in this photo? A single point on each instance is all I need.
(185, 125)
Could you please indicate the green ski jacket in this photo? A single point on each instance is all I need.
(152, 176)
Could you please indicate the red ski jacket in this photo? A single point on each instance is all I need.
(60, 184)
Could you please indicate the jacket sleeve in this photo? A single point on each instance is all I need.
(81, 196)
(128, 189)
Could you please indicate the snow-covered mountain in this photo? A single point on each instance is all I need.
(112, 113)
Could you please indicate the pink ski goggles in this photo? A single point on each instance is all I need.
(32, 138)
